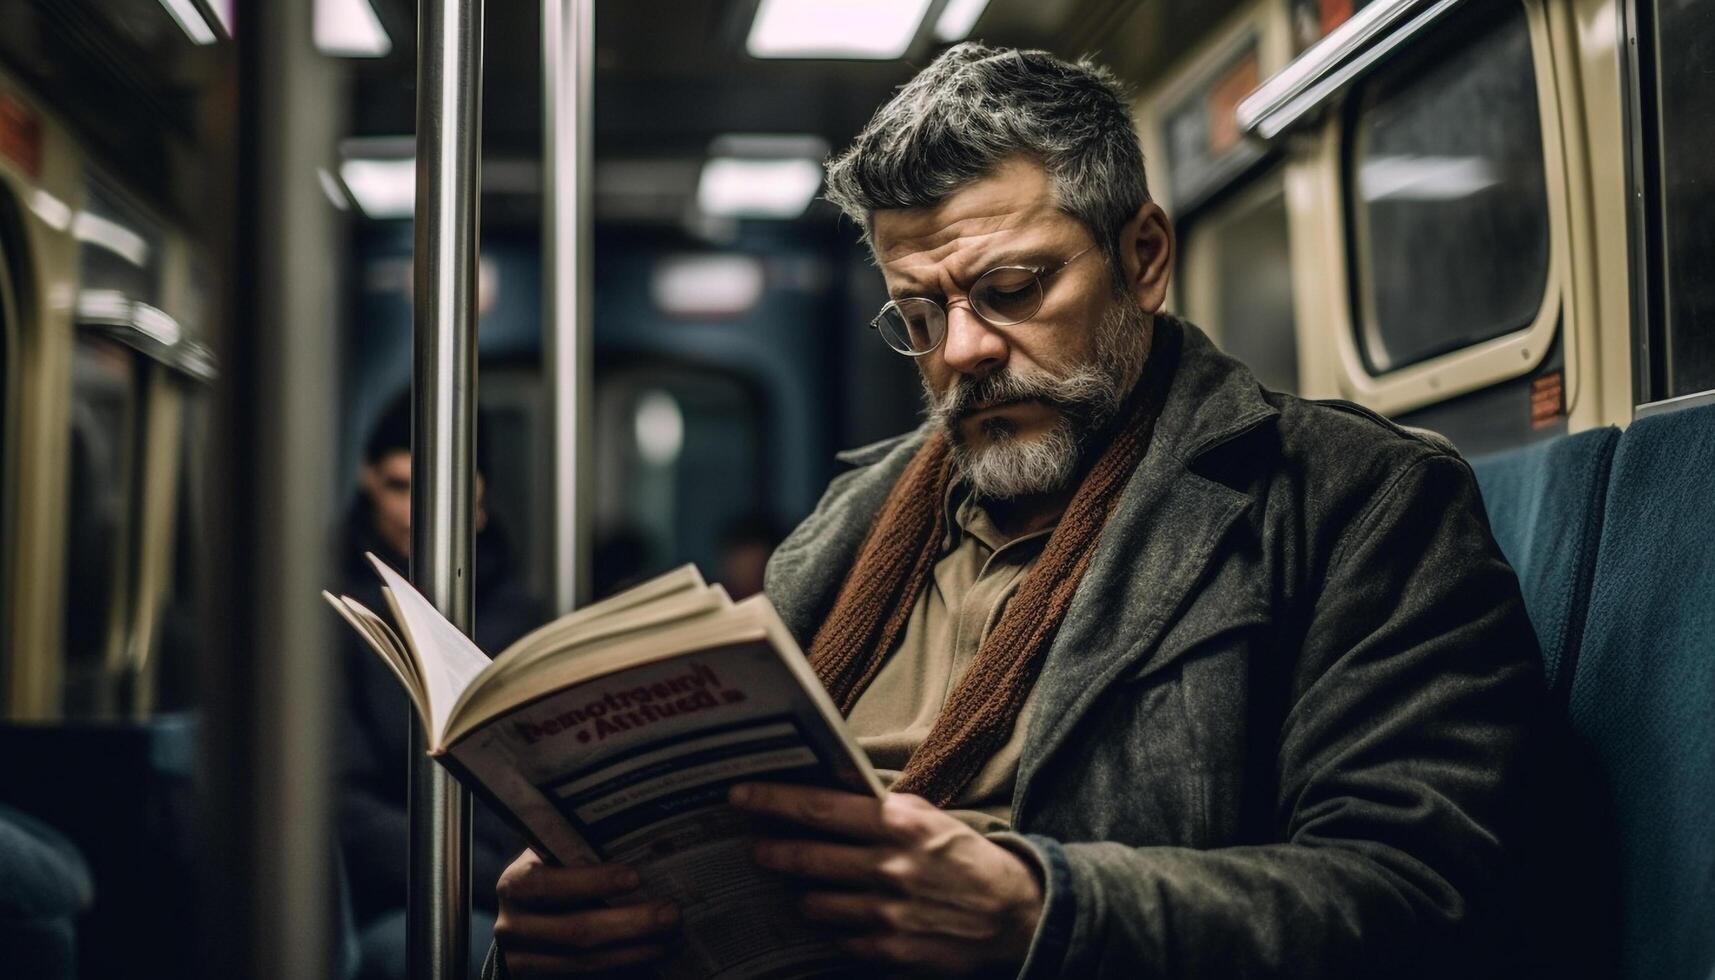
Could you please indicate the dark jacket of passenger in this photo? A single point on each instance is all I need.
(1287, 728)
(377, 720)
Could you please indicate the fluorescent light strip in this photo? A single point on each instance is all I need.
(957, 19)
(878, 29)
(190, 21)
(350, 29)
(737, 188)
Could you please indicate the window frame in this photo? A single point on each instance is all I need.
(1479, 365)
(1651, 340)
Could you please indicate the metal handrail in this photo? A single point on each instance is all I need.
(568, 76)
(1297, 92)
(443, 448)
(147, 330)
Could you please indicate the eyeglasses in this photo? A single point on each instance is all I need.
(1002, 297)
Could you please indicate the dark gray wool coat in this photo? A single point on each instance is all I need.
(1285, 728)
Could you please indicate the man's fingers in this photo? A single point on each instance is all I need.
(540, 886)
(832, 810)
(530, 966)
(589, 930)
(847, 863)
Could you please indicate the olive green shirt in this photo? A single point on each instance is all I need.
(978, 572)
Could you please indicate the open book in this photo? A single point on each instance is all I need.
(614, 732)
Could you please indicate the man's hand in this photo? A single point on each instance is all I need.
(919, 890)
(551, 924)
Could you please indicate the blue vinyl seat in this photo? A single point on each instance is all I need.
(1643, 691)
(1545, 505)
(44, 886)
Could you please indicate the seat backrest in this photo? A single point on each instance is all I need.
(1643, 692)
(1545, 505)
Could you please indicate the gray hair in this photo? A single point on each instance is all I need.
(975, 107)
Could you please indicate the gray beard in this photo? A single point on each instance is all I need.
(1005, 466)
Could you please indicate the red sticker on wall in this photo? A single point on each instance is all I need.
(1335, 13)
(20, 136)
(1547, 399)
(1224, 98)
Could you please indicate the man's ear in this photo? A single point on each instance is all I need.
(1147, 248)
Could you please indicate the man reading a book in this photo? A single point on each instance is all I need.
(1172, 675)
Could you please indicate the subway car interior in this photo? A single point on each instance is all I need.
(561, 275)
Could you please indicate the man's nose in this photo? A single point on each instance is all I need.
(972, 346)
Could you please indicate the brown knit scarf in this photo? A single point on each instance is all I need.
(868, 618)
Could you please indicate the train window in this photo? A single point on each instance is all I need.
(1449, 208)
(1685, 48)
(106, 395)
(1238, 274)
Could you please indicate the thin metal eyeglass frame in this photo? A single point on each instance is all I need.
(1043, 275)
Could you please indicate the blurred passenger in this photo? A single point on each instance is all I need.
(1170, 675)
(745, 547)
(373, 822)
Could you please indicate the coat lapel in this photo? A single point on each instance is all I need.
(1161, 541)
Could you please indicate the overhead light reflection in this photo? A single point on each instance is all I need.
(105, 233)
(55, 213)
(877, 29)
(1410, 177)
(336, 194)
(190, 21)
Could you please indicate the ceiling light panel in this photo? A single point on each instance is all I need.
(957, 19)
(350, 29)
(732, 187)
(878, 29)
(382, 188)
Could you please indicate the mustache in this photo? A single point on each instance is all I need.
(1074, 394)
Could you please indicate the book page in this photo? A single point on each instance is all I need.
(386, 645)
(525, 664)
(635, 767)
(683, 579)
(448, 658)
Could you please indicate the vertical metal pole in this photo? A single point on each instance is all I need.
(568, 76)
(443, 447)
